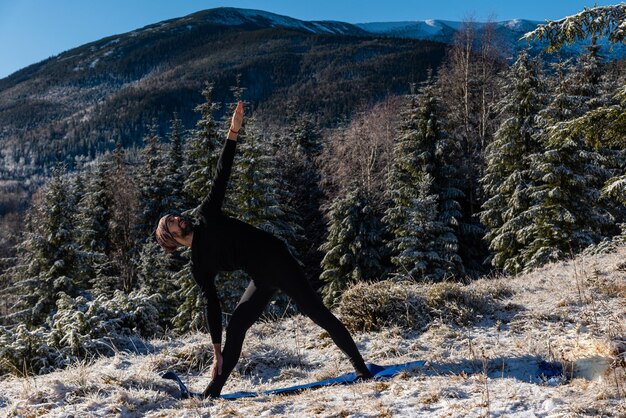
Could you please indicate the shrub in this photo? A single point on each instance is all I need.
(79, 329)
(454, 303)
(372, 306)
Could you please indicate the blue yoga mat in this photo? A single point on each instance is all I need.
(379, 372)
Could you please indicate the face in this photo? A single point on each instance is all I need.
(177, 225)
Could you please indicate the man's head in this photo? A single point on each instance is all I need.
(172, 230)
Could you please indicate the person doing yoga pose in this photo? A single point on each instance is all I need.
(221, 243)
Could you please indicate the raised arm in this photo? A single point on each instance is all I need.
(212, 203)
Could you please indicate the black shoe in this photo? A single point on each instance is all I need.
(363, 375)
(209, 393)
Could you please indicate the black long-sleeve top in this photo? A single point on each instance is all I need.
(223, 243)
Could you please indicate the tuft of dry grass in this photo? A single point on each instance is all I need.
(373, 306)
(379, 305)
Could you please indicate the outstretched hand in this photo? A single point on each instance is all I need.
(237, 120)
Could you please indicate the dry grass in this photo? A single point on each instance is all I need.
(480, 341)
(378, 305)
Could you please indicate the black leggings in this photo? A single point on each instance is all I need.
(290, 279)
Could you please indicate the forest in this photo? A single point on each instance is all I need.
(487, 165)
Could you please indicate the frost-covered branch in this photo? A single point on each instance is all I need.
(609, 21)
(606, 124)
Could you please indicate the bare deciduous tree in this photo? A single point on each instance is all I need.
(361, 152)
(468, 81)
(124, 208)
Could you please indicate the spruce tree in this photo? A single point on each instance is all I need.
(94, 214)
(255, 197)
(567, 213)
(152, 178)
(605, 125)
(295, 150)
(354, 247)
(429, 251)
(422, 147)
(157, 270)
(255, 186)
(175, 168)
(48, 259)
(201, 157)
(592, 21)
(507, 181)
(156, 274)
(93, 224)
(203, 150)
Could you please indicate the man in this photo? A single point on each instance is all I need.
(221, 243)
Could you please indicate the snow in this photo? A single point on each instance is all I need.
(513, 24)
(321, 27)
(112, 42)
(236, 16)
(566, 312)
(232, 16)
(428, 29)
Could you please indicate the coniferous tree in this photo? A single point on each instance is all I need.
(175, 169)
(202, 151)
(93, 224)
(298, 178)
(156, 275)
(507, 182)
(566, 213)
(354, 247)
(255, 197)
(94, 214)
(402, 178)
(605, 125)
(157, 270)
(422, 147)
(428, 252)
(49, 259)
(468, 84)
(200, 159)
(152, 178)
(593, 21)
(441, 157)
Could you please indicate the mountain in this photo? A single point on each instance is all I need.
(509, 31)
(83, 100)
(444, 30)
(79, 103)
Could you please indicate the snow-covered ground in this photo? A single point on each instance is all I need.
(571, 313)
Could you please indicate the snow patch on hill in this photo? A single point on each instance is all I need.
(568, 313)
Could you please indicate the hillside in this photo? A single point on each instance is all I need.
(81, 101)
(566, 313)
(509, 33)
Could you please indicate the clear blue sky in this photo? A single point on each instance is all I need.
(32, 30)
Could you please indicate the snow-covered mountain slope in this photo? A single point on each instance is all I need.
(508, 31)
(566, 313)
(443, 30)
(232, 16)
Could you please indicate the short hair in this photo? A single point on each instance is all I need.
(164, 237)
